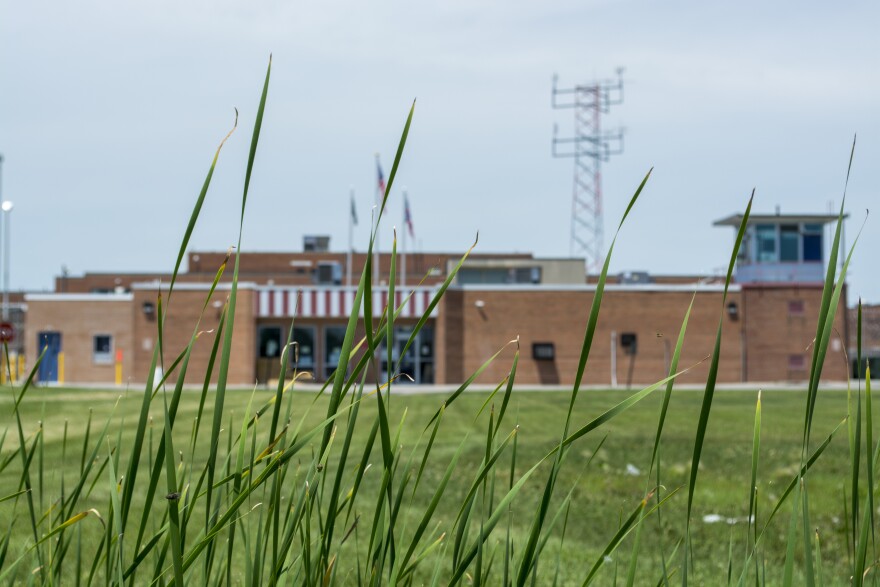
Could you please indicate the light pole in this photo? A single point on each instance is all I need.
(5, 311)
(6, 206)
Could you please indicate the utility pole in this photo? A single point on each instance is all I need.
(589, 146)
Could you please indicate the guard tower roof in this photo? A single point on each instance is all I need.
(735, 219)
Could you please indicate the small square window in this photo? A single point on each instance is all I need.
(102, 349)
(797, 363)
(796, 307)
(543, 351)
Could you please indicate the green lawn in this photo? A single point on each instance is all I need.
(605, 492)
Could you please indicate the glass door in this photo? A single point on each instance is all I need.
(417, 365)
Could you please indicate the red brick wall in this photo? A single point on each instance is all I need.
(78, 322)
(774, 334)
(560, 317)
(263, 268)
(182, 318)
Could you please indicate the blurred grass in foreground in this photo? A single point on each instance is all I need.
(358, 485)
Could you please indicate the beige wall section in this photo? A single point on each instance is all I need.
(181, 321)
(553, 271)
(79, 319)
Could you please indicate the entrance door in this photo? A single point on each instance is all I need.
(418, 363)
(51, 342)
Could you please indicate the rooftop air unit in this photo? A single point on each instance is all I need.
(316, 243)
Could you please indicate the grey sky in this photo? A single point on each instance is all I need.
(110, 113)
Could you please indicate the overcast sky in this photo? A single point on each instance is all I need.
(110, 113)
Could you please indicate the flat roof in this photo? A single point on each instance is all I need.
(736, 219)
(78, 297)
(591, 287)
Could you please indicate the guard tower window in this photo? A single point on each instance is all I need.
(766, 237)
(812, 242)
(788, 243)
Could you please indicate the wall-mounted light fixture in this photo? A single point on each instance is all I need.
(629, 342)
(733, 311)
(480, 304)
(149, 310)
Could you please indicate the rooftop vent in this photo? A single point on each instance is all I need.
(635, 278)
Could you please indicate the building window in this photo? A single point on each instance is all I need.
(796, 363)
(526, 275)
(796, 307)
(269, 338)
(483, 275)
(812, 240)
(861, 373)
(766, 237)
(789, 237)
(328, 273)
(417, 365)
(333, 338)
(302, 356)
(543, 351)
(102, 349)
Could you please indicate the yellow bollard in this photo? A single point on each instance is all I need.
(61, 367)
(118, 367)
(21, 366)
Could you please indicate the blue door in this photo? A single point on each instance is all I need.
(51, 342)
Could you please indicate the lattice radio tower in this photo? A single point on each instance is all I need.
(589, 147)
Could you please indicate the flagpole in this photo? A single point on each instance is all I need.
(405, 227)
(377, 241)
(350, 238)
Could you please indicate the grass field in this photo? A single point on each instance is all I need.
(610, 480)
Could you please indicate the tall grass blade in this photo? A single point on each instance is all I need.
(752, 522)
(867, 511)
(223, 370)
(856, 433)
(528, 559)
(25, 461)
(655, 452)
(827, 309)
(709, 392)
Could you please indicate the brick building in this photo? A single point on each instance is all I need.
(100, 326)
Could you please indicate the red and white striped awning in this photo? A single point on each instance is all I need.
(335, 302)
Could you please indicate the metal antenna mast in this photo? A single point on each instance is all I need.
(589, 147)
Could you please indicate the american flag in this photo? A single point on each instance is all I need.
(407, 217)
(381, 177)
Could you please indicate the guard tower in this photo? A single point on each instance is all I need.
(782, 248)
